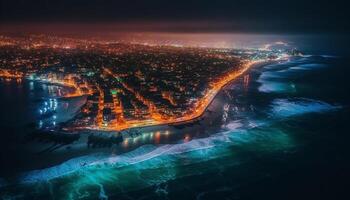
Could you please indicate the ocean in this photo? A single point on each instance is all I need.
(284, 135)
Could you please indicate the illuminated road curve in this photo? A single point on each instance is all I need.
(199, 109)
(196, 112)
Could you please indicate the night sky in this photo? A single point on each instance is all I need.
(185, 15)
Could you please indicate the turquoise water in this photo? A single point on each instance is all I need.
(284, 135)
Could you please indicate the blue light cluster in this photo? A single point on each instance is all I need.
(48, 110)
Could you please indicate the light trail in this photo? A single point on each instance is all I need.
(199, 108)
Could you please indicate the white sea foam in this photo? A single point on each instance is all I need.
(273, 86)
(329, 56)
(268, 75)
(59, 170)
(269, 82)
(234, 125)
(275, 78)
(102, 195)
(291, 107)
(269, 79)
(141, 154)
(310, 66)
(299, 68)
(280, 107)
(237, 135)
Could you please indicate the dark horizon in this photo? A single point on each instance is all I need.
(180, 16)
(185, 99)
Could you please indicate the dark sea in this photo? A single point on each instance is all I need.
(284, 135)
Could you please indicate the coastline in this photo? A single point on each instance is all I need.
(196, 116)
(161, 134)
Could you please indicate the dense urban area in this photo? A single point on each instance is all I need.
(127, 84)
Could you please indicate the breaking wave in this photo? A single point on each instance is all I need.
(234, 125)
(272, 86)
(141, 154)
(237, 133)
(276, 77)
(308, 66)
(298, 106)
(198, 150)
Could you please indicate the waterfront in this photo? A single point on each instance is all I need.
(174, 100)
(288, 122)
(143, 85)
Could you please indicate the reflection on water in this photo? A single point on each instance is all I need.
(33, 100)
(146, 138)
(259, 126)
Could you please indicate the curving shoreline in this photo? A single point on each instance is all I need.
(214, 104)
(209, 97)
(79, 147)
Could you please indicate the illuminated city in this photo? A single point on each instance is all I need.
(130, 85)
(174, 100)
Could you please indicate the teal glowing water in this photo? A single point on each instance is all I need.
(269, 128)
